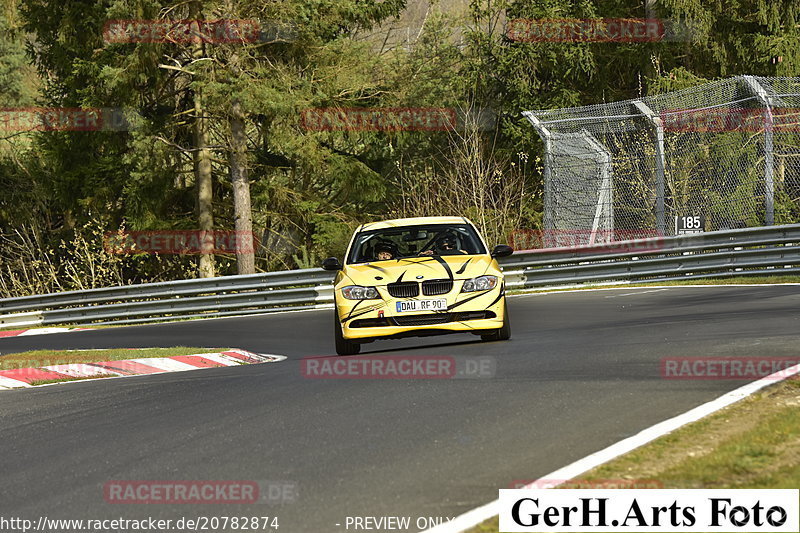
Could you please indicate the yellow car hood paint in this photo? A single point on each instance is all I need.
(417, 269)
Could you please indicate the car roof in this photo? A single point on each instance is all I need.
(416, 221)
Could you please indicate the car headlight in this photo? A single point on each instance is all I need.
(481, 283)
(357, 292)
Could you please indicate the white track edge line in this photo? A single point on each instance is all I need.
(534, 292)
(475, 516)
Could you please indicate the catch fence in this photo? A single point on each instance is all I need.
(723, 155)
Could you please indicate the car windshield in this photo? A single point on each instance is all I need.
(415, 241)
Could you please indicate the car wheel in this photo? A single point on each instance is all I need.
(502, 334)
(343, 346)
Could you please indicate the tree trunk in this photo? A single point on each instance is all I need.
(245, 252)
(648, 68)
(202, 157)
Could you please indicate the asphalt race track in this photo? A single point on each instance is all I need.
(581, 372)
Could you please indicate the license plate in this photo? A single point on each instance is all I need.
(412, 306)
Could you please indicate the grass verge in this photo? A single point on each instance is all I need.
(40, 358)
(754, 444)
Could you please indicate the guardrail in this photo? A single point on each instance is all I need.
(772, 250)
(150, 302)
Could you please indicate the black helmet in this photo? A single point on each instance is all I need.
(447, 240)
(384, 246)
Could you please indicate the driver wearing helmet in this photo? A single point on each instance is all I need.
(385, 251)
(445, 245)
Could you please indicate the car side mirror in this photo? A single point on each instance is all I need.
(502, 250)
(332, 263)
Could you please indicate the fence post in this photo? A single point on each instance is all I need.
(546, 137)
(661, 222)
(605, 197)
(769, 167)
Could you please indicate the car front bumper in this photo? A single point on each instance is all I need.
(467, 312)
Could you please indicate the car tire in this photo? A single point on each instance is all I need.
(502, 334)
(343, 346)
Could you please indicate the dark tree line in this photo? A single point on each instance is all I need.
(217, 139)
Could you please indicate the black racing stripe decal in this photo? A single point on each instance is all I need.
(376, 268)
(401, 276)
(465, 301)
(496, 299)
(423, 262)
(358, 315)
(446, 267)
(362, 313)
(463, 267)
(350, 314)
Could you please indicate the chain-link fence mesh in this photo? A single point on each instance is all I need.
(728, 151)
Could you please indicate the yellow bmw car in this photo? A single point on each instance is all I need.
(416, 277)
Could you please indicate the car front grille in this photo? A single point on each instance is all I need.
(369, 323)
(405, 289)
(410, 289)
(472, 315)
(422, 320)
(437, 286)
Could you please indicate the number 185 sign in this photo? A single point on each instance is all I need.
(690, 224)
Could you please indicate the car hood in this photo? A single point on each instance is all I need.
(418, 269)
